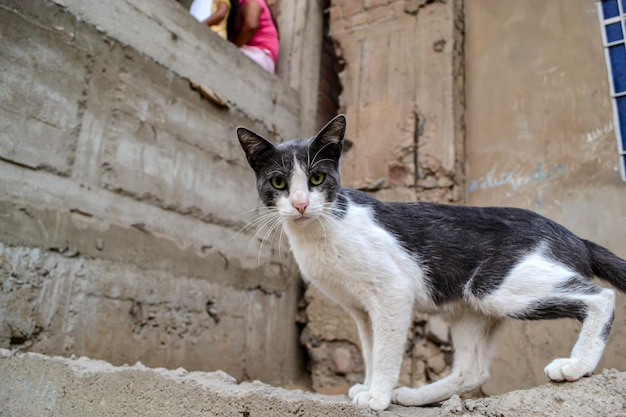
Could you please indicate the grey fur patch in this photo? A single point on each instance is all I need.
(607, 327)
(578, 285)
(554, 308)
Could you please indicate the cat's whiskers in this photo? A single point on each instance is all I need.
(260, 223)
(322, 160)
(269, 234)
(280, 243)
(255, 237)
(254, 223)
(276, 171)
(252, 210)
(327, 217)
(329, 208)
(319, 219)
(317, 153)
(250, 223)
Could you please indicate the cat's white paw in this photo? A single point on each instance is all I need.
(356, 389)
(376, 402)
(567, 369)
(403, 396)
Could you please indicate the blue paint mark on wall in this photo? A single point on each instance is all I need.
(545, 174)
(40, 396)
(540, 174)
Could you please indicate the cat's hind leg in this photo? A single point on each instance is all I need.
(473, 340)
(595, 310)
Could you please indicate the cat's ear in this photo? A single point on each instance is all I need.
(254, 146)
(330, 139)
(334, 131)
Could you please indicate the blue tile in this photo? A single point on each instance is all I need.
(621, 115)
(614, 32)
(618, 67)
(610, 8)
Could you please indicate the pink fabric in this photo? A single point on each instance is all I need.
(266, 36)
(259, 56)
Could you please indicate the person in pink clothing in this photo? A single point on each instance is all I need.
(257, 35)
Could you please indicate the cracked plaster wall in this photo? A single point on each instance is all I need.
(541, 137)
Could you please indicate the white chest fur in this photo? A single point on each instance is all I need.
(353, 260)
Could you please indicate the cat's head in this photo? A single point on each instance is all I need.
(300, 178)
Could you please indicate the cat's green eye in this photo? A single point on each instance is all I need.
(278, 182)
(316, 178)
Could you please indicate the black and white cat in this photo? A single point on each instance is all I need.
(478, 266)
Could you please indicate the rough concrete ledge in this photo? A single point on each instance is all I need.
(38, 385)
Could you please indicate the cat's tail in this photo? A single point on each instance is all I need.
(607, 266)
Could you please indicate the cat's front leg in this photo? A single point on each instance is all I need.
(389, 323)
(356, 389)
(364, 329)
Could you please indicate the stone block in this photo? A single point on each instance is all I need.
(371, 4)
(350, 8)
(380, 12)
(401, 194)
(437, 363)
(356, 20)
(342, 359)
(425, 349)
(406, 372)
(325, 377)
(327, 320)
(438, 330)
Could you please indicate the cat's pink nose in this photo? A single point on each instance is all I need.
(301, 206)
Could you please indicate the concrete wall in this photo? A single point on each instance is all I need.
(540, 136)
(122, 191)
